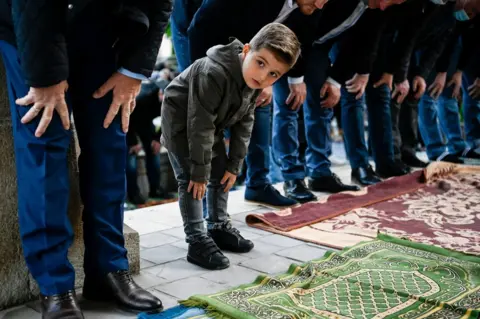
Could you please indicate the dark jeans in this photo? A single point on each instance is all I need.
(404, 126)
(377, 101)
(152, 162)
(317, 123)
(471, 112)
(43, 176)
(182, 15)
(192, 209)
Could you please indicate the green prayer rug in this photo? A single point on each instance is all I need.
(384, 278)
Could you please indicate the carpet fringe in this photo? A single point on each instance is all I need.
(210, 310)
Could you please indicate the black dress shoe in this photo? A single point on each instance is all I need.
(229, 238)
(120, 287)
(297, 190)
(397, 168)
(330, 184)
(365, 176)
(63, 306)
(413, 160)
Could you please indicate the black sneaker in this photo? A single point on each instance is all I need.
(206, 254)
(450, 158)
(229, 238)
(470, 154)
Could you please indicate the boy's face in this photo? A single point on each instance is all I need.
(261, 68)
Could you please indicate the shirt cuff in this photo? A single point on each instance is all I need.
(132, 75)
(334, 83)
(298, 80)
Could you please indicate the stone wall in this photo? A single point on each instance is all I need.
(17, 286)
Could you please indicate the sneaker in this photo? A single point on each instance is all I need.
(206, 254)
(229, 238)
(269, 196)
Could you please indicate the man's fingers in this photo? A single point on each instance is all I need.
(432, 86)
(323, 91)
(189, 189)
(26, 100)
(328, 103)
(401, 97)
(359, 95)
(450, 83)
(379, 83)
(195, 190)
(349, 82)
(45, 120)
(103, 90)
(125, 116)
(64, 115)
(289, 98)
(112, 112)
(132, 105)
(268, 101)
(32, 113)
(415, 86)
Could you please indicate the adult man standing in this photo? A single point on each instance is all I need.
(87, 57)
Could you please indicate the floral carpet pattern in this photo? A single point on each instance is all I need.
(384, 278)
(444, 212)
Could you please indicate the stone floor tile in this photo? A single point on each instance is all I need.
(145, 264)
(262, 249)
(167, 300)
(255, 230)
(156, 239)
(187, 287)
(147, 280)
(175, 232)
(302, 253)
(163, 254)
(280, 240)
(22, 312)
(235, 258)
(271, 264)
(181, 244)
(232, 276)
(176, 270)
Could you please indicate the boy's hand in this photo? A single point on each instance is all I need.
(401, 91)
(357, 85)
(228, 179)
(199, 189)
(474, 89)
(386, 79)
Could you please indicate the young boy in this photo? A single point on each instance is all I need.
(213, 94)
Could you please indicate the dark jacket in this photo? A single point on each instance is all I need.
(6, 23)
(469, 31)
(41, 28)
(208, 97)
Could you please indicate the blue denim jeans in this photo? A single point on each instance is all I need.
(471, 112)
(316, 119)
(182, 15)
(377, 101)
(440, 116)
(216, 199)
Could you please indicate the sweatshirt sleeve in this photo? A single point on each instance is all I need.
(239, 141)
(205, 95)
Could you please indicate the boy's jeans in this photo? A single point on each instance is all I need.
(192, 209)
(471, 112)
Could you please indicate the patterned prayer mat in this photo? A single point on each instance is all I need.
(442, 208)
(383, 278)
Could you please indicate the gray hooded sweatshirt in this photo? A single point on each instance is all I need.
(208, 97)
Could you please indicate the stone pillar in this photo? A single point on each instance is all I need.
(17, 286)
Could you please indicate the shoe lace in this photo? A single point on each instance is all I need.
(124, 276)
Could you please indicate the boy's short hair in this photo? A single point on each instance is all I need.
(280, 40)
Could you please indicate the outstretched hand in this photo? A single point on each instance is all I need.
(125, 89)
